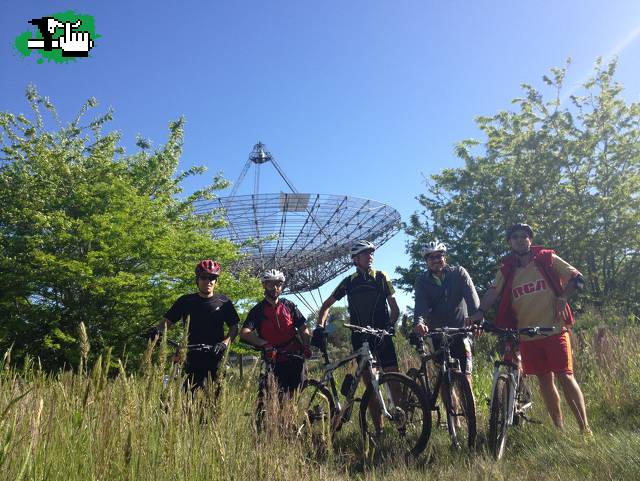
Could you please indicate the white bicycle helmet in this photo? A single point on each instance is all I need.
(433, 246)
(272, 275)
(360, 246)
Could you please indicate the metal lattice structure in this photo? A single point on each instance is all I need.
(307, 236)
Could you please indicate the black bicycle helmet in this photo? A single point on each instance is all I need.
(520, 226)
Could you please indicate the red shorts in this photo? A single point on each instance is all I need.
(549, 354)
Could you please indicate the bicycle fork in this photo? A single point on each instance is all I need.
(375, 385)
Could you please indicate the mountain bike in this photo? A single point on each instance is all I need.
(394, 415)
(268, 359)
(176, 358)
(457, 396)
(510, 392)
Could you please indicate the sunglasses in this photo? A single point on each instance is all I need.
(208, 278)
(435, 257)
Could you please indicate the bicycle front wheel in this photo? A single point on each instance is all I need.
(407, 432)
(461, 410)
(498, 417)
(314, 411)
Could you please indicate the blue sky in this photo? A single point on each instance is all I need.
(356, 97)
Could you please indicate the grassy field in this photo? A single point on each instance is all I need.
(70, 426)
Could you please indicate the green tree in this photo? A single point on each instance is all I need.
(569, 168)
(91, 234)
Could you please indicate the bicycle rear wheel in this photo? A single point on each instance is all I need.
(407, 432)
(314, 410)
(461, 410)
(498, 417)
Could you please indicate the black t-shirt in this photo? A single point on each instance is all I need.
(207, 316)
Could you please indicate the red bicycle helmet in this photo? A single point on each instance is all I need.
(208, 266)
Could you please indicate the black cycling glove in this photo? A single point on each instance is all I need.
(219, 348)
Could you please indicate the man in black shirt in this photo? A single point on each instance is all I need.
(368, 292)
(207, 312)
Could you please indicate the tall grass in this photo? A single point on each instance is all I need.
(95, 424)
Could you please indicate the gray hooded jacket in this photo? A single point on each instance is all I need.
(448, 304)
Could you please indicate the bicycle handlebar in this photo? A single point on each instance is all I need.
(530, 331)
(191, 347)
(451, 331)
(369, 330)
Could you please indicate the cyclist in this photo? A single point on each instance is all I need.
(277, 325)
(444, 295)
(368, 292)
(537, 285)
(208, 312)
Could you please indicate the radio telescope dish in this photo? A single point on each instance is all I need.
(305, 235)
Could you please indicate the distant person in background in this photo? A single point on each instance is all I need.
(208, 313)
(535, 285)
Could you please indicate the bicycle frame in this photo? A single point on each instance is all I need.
(365, 361)
(512, 369)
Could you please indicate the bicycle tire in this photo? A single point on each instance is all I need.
(498, 417)
(416, 376)
(460, 407)
(260, 403)
(407, 434)
(314, 411)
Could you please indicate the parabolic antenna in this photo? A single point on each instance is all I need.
(307, 236)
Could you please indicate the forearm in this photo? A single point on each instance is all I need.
(488, 299)
(250, 337)
(394, 310)
(304, 334)
(323, 313)
(162, 325)
(231, 335)
(572, 287)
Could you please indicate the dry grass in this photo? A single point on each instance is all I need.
(93, 426)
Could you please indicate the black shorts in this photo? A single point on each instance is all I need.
(460, 348)
(288, 374)
(382, 349)
(200, 366)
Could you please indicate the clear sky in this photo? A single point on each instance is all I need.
(357, 97)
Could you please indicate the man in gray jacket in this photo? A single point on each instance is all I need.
(444, 296)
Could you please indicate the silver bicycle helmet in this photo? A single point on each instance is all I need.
(272, 275)
(433, 246)
(361, 246)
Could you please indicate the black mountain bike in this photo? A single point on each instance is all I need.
(268, 359)
(398, 422)
(176, 359)
(510, 392)
(440, 373)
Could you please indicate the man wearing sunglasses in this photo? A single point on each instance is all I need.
(537, 285)
(208, 312)
(276, 325)
(444, 296)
